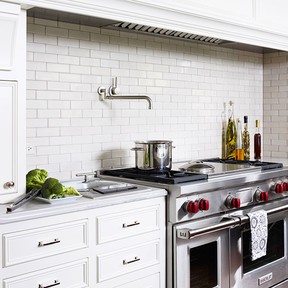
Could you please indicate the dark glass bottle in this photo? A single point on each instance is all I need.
(257, 143)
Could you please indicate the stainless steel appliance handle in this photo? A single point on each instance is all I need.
(231, 222)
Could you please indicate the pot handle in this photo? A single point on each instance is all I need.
(137, 149)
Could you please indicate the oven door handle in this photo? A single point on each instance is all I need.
(227, 223)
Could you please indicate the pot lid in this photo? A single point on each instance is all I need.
(198, 167)
(153, 142)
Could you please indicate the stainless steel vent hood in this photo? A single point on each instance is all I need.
(139, 28)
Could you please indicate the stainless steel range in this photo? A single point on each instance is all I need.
(208, 226)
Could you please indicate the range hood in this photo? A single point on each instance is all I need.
(139, 28)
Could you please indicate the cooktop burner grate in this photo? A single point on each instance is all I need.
(166, 177)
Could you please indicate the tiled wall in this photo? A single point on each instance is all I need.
(276, 104)
(72, 131)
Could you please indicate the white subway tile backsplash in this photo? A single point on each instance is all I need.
(187, 82)
(47, 132)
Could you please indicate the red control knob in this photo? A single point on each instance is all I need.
(279, 188)
(264, 196)
(203, 204)
(235, 203)
(232, 202)
(285, 186)
(192, 207)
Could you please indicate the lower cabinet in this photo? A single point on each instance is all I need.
(81, 249)
(70, 275)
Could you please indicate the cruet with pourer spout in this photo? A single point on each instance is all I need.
(231, 133)
(224, 130)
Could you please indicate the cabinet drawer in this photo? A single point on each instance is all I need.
(126, 224)
(151, 281)
(72, 275)
(37, 243)
(121, 262)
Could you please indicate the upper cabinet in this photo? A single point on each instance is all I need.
(9, 18)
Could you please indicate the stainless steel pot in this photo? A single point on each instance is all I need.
(153, 155)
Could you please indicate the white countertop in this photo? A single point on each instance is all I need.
(36, 209)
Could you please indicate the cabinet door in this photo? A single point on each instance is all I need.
(74, 274)
(9, 15)
(8, 130)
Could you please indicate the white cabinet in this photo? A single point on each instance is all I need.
(12, 101)
(70, 275)
(9, 18)
(129, 245)
(8, 130)
(93, 248)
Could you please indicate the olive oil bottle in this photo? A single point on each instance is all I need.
(224, 131)
(239, 151)
(231, 134)
(246, 140)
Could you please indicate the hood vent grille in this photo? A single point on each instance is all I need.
(166, 32)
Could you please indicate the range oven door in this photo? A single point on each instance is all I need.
(203, 261)
(215, 252)
(268, 270)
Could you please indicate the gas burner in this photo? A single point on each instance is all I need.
(164, 176)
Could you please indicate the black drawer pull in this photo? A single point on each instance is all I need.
(125, 262)
(55, 241)
(56, 282)
(130, 225)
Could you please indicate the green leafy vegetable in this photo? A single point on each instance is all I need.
(35, 179)
(70, 191)
(52, 189)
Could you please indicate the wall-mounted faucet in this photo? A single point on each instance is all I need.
(113, 94)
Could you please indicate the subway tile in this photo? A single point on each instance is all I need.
(188, 84)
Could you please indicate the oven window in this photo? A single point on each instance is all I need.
(203, 266)
(275, 247)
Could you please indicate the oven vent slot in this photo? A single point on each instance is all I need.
(166, 32)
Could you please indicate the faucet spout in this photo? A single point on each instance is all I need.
(134, 97)
(103, 95)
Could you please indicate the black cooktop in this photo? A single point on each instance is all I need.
(264, 165)
(166, 177)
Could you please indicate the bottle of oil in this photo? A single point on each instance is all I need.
(257, 142)
(239, 151)
(231, 134)
(246, 140)
(224, 130)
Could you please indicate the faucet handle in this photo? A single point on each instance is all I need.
(85, 175)
(114, 89)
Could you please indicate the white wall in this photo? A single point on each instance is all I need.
(276, 105)
(72, 131)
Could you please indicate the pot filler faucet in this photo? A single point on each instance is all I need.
(114, 91)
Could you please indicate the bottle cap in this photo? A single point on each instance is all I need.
(257, 123)
(245, 119)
